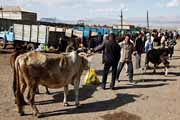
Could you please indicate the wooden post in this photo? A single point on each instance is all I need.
(1, 17)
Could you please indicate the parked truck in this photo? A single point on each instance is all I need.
(31, 35)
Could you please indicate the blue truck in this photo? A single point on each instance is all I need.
(94, 31)
(6, 37)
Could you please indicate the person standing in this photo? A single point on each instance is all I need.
(163, 40)
(148, 47)
(175, 35)
(111, 59)
(171, 42)
(139, 45)
(127, 49)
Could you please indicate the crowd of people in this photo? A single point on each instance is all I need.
(118, 50)
(118, 53)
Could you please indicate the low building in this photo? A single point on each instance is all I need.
(125, 26)
(17, 13)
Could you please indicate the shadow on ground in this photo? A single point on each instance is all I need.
(135, 86)
(154, 80)
(159, 73)
(100, 72)
(84, 93)
(149, 80)
(99, 106)
(176, 57)
(6, 51)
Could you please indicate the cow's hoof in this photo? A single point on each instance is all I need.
(24, 103)
(48, 93)
(66, 104)
(77, 105)
(22, 113)
(36, 114)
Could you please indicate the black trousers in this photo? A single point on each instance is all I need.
(171, 50)
(107, 66)
(146, 61)
(130, 69)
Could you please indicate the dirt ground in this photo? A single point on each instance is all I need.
(154, 97)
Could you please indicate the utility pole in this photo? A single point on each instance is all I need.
(121, 19)
(147, 19)
(1, 9)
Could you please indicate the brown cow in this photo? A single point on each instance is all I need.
(52, 70)
(18, 51)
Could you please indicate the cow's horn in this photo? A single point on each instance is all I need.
(82, 54)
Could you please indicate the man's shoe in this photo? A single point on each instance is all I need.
(118, 80)
(103, 86)
(131, 80)
(112, 87)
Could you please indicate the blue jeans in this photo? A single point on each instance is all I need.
(130, 69)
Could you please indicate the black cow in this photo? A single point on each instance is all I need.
(158, 56)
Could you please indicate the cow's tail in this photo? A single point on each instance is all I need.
(18, 94)
(13, 62)
(14, 80)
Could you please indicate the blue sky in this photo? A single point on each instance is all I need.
(91, 9)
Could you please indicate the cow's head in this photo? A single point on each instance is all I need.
(85, 60)
(82, 50)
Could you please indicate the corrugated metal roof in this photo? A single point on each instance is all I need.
(14, 9)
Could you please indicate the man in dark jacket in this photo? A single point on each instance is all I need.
(111, 59)
(139, 46)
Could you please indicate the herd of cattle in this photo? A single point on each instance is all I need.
(56, 71)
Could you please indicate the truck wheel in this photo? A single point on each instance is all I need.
(2, 43)
(31, 47)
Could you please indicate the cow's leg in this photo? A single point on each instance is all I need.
(65, 96)
(154, 71)
(22, 91)
(76, 87)
(166, 71)
(31, 96)
(37, 90)
(19, 97)
(47, 91)
(166, 65)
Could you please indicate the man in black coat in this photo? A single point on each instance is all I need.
(139, 46)
(111, 58)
